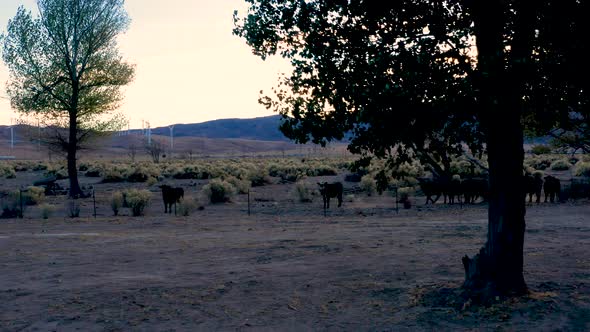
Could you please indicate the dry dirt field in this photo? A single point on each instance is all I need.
(284, 268)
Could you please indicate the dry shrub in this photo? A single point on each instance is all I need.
(31, 196)
(368, 184)
(242, 186)
(540, 149)
(187, 206)
(582, 168)
(47, 210)
(303, 192)
(561, 165)
(259, 177)
(7, 171)
(218, 191)
(113, 176)
(117, 201)
(138, 201)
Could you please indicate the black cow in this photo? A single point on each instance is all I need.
(453, 190)
(533, 186)
(171, 196)
(431, 187)
(552, 188)
(473, 188)
(329, 190)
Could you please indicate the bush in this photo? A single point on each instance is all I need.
(93, 173)
(186, 207)
(138, 200)
(117, 201)
(7, 172)
(218, 191)
(151, 181)
(582, 169)
(540, 163)
(32, 196)
(11, 208)
(561, 165)
(73, 209)
(258, 177)
(47, 210)
(368, 185)
(242, 186)
(303, 192)
(141, 174)
(540, 149)
(40, 167)
(112, 176)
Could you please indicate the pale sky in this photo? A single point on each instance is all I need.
(189, 66)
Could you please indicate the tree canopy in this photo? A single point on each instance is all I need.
(401, 76)
(422, 79)
(65, 67)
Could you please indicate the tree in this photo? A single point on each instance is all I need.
(155, 149)
(421, 78)
(65, 67)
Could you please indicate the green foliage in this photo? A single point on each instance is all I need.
(65, 68)
(117, 201)
(138, 201)
(540, 149)
(218, 191)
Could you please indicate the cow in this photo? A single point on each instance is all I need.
(431, 187)
(329, 190)
(473, 188)
(552, 188)
(533, 186)
(171, 196)
(452, 189)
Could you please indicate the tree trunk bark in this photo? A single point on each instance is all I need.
(75, 190)
(498, 268)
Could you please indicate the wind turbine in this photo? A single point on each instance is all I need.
(171, 137)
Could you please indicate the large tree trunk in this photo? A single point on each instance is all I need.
(498, 268)
(75, 191)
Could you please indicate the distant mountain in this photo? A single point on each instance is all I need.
(262, 129)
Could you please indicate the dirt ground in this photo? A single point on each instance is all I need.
(286, 267)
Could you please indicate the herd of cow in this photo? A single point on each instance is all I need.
(472, 189)
(466, 191)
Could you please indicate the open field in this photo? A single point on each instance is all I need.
(363, 267)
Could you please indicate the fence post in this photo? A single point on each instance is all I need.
(94, 202)
(396, 201)
(20, 212)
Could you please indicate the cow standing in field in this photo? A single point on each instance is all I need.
(171, 196)
(552, 188)
(533, 186)
(431, 187)
(473, 188)
(329, 190)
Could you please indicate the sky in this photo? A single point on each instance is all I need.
(189, 66)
